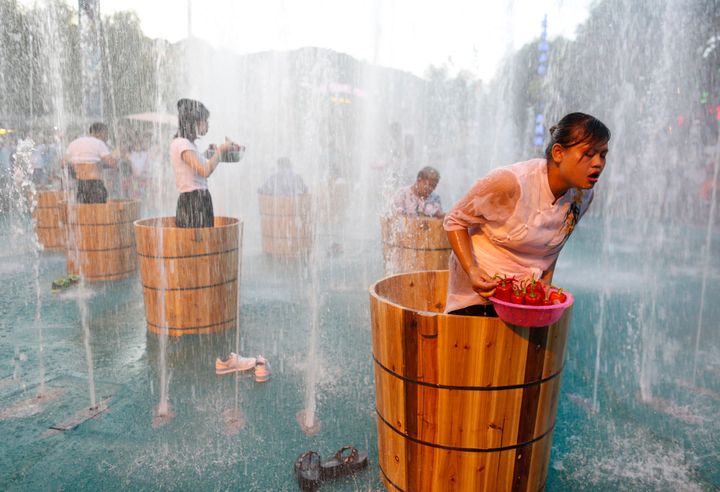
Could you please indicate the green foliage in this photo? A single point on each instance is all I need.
(641, 53)
(40, 65)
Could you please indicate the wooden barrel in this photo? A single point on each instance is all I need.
(462, 402)
(100, 239)
(189, 276)
(286, 224)
(414, 243)
(49, 223)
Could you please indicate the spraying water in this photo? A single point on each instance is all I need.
(25, 199)
(627, 65)
(307, 417)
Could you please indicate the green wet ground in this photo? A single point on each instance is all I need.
(641, 415)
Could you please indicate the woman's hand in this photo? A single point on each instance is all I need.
(481, 282)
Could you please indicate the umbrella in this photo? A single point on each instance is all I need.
(160, 118)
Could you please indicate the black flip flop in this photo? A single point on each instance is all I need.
(307, 470)
(346, 461)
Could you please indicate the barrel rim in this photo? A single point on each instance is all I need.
(387, 217)
(285, 197)
(147, 223)
(384, 300)
(110, 203)
(398, 246)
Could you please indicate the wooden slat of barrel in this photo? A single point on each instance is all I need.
(439, 469)
(414, 244)
(286, 224)
(463, 403)
(48, 215)
(100, 239)
(285, 235)
(189, 276)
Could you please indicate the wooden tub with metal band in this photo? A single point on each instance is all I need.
(462, 402)
(286, 224)
(100, 239)
(189, 275)
(413, 244)
(49, 222)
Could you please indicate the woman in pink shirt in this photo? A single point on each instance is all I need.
(516, 220)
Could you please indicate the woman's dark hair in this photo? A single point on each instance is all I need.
(575, 129)
(190, 112)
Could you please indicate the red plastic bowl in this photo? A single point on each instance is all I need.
(531, 316)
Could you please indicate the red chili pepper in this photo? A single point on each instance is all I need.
(536, 286)
(504, 288)
(557, 297)
(532, 298)
(518, 296)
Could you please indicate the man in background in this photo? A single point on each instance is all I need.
(419, 199)
(284, 182)
(85, 155)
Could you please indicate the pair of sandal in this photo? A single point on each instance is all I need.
(64, 282)
(310, 470)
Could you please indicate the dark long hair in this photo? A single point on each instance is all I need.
(575, 129)
(190, 112)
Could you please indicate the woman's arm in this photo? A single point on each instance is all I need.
(109, 160)
(191, 158)
(492, 198)
(482, 283)
(547, 275)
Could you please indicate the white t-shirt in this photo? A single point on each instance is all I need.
(406, 202)
(37, 159)
(512, 235)
(138, 162)
(283, 183)
(186, 179)
(86, 150)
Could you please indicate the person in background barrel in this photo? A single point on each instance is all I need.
(516, 220)
(284, 182)
(194, 205)
(419, 199)
(85, 155)
(39, 161)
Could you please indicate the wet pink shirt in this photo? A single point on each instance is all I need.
(516, 226)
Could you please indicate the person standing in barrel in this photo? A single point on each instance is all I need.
(85, 155)
(194, 205)
(419, 199)
(284, 182)
(516, 220)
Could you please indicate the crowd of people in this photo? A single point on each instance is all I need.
(514, 221)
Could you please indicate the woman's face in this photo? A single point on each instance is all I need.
(581, 165)
(202, 127)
